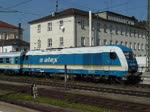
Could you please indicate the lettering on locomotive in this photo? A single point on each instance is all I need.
(49, 59)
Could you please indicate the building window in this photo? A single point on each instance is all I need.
(99, 42)
(82, 41)
(142, 47)
(39, 44)
(126, 44)
(145, 34)
(116, 42)
(116, 30)
(111, 42)
(39, 28)
(105, 42)
(5, 36)
(15, 36)
(130, 31)
(121, 43)
(82, 24)
(105, 28)
(111, 29)
(61, 22)
(141, 34)
(50, 42)
(131, 45)
(92, 26)
(49, 26)
(134, 46)
(121, 30)
(138, 34)
(98, 26)
(138, 46)
(134, 33)
(61, 39)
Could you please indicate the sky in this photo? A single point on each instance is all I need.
(24, 11)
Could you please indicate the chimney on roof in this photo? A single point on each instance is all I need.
(19, 31)
(53, 14)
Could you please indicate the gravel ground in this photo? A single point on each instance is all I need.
(90, 93)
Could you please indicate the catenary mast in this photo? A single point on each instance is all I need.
(148, 37)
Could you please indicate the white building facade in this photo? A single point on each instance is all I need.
(70, 28)
(8, 31)
(14, 45)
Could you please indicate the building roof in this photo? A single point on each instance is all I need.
(74, 11)
(4, 24)
(70, 11)
(14, 42)
(117, 14)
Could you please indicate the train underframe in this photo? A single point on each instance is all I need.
(134, 78)
(131, 78)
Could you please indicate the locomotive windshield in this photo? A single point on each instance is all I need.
(129, 55)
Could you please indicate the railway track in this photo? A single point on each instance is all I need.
(120, 106)
(84, 87)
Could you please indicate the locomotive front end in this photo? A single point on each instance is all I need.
(133, 75)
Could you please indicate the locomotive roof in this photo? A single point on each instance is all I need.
(95, 49)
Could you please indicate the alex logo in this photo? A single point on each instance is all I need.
(49, 59)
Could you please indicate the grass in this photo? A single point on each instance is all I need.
(64, 104)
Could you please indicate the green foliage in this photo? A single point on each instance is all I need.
(64, 104)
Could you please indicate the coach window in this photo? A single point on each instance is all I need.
(1, 60)
(112, 55)
(16, 60)
(7, 60)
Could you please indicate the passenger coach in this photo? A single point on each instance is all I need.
(11, 62)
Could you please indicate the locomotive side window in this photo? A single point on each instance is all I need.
(113, 55)
(7, 60)
(1, 60)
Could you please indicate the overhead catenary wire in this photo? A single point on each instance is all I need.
(21, 3)
(7, 9)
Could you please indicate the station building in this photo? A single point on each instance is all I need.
(70, 28)
(11, 38)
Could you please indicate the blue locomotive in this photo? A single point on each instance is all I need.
(114, 62)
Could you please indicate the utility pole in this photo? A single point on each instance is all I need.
(56, 5)
(90, 28)
(148, 37)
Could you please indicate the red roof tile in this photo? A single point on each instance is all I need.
(4, 24)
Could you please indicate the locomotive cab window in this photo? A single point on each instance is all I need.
(112, 55)
(129, 55)
(1, 60)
